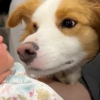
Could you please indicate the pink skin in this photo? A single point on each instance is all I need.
(6, 61)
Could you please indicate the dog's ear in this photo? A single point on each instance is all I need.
(23, 12)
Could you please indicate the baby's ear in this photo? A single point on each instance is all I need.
(23, 12)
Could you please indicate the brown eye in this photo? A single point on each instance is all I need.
(35, 27)
(68, 23)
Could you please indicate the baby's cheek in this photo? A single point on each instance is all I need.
(10, 61)
(3, 66)
(3, 61)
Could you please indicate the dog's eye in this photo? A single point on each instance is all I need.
(35, 27)
(68, 23)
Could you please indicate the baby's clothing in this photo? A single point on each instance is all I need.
(18, 86)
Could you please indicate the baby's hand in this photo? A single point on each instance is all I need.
(4, 75)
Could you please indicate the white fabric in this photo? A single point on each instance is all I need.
(18, 86)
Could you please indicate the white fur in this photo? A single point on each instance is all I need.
(55, 49)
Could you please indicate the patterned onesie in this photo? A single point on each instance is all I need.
(18, 86)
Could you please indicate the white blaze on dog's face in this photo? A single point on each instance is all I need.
(64, 32)
(55, 48)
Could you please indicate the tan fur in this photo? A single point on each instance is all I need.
(28, 31)
(87, 17)
(24, 12)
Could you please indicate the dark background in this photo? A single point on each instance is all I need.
(4, 6)
(4, 9)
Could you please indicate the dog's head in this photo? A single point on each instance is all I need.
(59, 34)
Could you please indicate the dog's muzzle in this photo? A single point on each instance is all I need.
(27, 52)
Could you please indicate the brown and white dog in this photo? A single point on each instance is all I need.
(60, 36)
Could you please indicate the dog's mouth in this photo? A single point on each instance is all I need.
(41, 70)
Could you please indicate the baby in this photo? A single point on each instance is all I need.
(16, 85)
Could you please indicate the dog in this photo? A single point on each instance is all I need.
(60, 36)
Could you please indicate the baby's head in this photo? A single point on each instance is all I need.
(6, 61)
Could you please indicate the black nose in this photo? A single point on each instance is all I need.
(27, 52)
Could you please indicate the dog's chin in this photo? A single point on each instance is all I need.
(39, 72)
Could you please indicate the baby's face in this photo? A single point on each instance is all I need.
(6, 61)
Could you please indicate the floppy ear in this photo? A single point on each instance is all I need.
(23, 12)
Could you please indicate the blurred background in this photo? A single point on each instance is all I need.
(4, 6)
(4, 10)
(11, 36)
